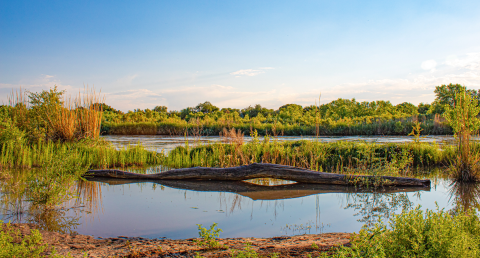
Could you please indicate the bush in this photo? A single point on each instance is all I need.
(418, 233)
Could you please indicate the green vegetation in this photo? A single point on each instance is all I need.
(418, 233)
(339, 117)
(57, 139)
(464, 121)
(341, 157)
(29, 246)
(209, 236)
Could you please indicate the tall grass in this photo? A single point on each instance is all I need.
(51, 115)
(342, 156)
(87, 153)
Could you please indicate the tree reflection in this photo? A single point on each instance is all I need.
(64, 218)
(60, 220)
(464, 195)
(374, 207)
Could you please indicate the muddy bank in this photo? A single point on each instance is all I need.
(123, 246)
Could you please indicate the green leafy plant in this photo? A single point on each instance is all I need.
(416, 131)
(209, 236)
(12, 244)
(418, 233)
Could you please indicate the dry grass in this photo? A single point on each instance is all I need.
(70, 119)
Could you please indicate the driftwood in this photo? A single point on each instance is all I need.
(261, 192)
(263, 170)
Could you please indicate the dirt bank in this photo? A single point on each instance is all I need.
(122, 246)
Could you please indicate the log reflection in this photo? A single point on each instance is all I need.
(260, 192)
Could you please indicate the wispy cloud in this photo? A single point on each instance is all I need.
(127, 79)
(251, 72)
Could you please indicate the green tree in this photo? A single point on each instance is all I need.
(206, 107)
(160, 109)
(462, 117)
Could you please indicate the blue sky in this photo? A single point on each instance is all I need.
(239, 53)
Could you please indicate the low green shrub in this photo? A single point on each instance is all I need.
(418, 233)
(30, 246)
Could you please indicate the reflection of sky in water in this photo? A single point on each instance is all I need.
(138, 209)
(159, 142)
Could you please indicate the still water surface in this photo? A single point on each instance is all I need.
(173, 208)
(167, 143)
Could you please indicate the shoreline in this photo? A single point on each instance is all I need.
(122, 246)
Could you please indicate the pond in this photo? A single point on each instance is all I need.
(167, 143)
(258, 208)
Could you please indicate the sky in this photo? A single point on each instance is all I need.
(143, 54)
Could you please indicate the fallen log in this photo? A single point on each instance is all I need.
(264, 170)
(261, 192)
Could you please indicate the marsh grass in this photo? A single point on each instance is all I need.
(340, 157)
(95, 154)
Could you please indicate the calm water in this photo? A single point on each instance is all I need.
(166, 143)
(173, 208)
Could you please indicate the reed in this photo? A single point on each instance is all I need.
(340, 157)
(95, 154)
(50, 115)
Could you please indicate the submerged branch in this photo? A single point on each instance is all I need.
(264, 170)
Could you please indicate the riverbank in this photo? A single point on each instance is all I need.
(88, 246)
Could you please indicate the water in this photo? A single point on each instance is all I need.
(167, 143)
(259, 208)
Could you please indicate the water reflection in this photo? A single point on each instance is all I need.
(464, 195)
(64, 218)
(258, 208)
(376, 207)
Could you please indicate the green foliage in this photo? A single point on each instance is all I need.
(464, 121)
(418, 233)
(248, 252)
(209, 236)
(29, 246)
(416, 132)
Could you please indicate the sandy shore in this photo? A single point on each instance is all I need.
(123, 246)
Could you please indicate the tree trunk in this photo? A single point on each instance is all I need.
(264, 170)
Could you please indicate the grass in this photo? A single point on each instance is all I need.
(93, 154)
(341, 157)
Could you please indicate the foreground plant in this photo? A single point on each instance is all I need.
(418, 233)
(209, 236)
(12, 244)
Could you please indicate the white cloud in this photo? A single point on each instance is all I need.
(429, 65)
(251, 72)
(247, 72)
(470, 61)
